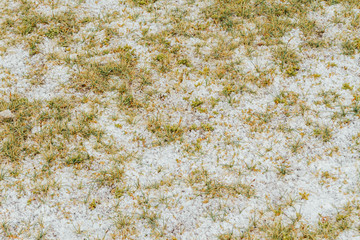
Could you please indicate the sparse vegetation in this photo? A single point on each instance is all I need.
(153, 119)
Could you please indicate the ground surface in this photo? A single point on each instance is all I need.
(195, 119)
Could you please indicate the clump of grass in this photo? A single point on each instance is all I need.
(223, 12)
(287, 98)
(63, 25)
(229, 88)
(143, 2)
(347, 86)
(95, 77)
(100, 77)
(260, 78)
(317, 43)
(296, 146)
(271, 18)
(168, 55)
(224, 49)
(328, 98)
(55, 126)
(166, 133)
(186, 62)
(197, 103)
(202, 183)
(31, 24)
(122, 221)
(325, 133)
(283, 169)
(207, 127)
(350, 47)
(77, 157)
(18, 130)
(127, 101)
(258, 120)
(278, 230)
(355, 21)
(111, 177)
(328, 227)
(288, 60)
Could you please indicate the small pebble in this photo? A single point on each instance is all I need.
(6, 114)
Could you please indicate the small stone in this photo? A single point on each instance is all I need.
(6, 114)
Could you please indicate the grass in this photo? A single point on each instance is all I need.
(288, 60)
(286, 98)
(202, 183)
(166, 133)
(350, 47)
(98, 77)
(55, 128)
(143, 2)
(230, 14)
(17, 131)
(169, 108)
(325, 133)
